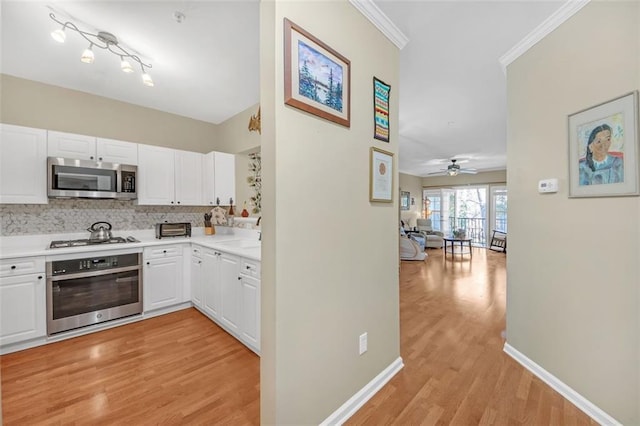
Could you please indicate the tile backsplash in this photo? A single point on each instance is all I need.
(76, 215)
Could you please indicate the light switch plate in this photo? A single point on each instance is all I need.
(363, 343)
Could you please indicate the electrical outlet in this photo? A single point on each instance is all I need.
(363, 343)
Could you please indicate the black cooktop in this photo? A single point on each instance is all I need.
(87, 242)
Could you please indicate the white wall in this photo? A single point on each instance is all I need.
(329, 256)
(574, 278)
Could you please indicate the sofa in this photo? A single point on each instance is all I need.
(433, 239)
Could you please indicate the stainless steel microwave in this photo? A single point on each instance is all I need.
(70, 178)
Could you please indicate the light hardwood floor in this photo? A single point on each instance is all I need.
(182, 369)
(452, 315)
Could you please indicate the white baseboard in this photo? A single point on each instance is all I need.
(556, 384)
(354, 403)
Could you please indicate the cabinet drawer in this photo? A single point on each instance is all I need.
(250, 268)
(21, 266)
(162, 251)
(196, 252)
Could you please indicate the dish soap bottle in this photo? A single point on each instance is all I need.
(244, 213)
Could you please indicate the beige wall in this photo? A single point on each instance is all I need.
(574, 278)
(330, 257)
(484, 178)
(412, 184)
(33, 104)
(234, 137)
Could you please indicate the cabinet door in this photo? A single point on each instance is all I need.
(23, 165)
(188, 177)
(155, 175)
(250, 324)
(68, 145)
(225, 177)
(211, 285)
(231, 292)
(208, 180)
(196, 281)
(22, 308)
(113, 151)
(162, 283)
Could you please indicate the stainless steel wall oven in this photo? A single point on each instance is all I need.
(91, 290)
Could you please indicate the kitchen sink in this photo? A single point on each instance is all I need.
(240, 243)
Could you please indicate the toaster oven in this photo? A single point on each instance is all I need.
(176, 229)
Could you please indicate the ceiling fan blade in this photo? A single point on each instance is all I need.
(438, 173)
(468, 171)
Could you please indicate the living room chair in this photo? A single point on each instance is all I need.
(498, 241)
(433, 239)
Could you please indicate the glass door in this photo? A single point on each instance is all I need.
(470, 213)
(499, 208)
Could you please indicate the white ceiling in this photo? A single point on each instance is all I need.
(206, 67)
(452, 88)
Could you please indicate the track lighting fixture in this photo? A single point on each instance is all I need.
(105, 41)
(87, 56)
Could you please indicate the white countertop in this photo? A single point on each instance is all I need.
(38, 245)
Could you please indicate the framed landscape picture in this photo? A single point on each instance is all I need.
(380, 176)
(603, 149)
(317, 79)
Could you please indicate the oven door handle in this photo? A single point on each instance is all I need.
(94, 273)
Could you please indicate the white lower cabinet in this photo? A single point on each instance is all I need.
(250, 301)
(22, 308)
(163, 277)
(230, 293)
(230, 307)
(197, 268)
(211, 283)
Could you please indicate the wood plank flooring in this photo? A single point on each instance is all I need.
(452, 314)
(182, 369)
(178, 368)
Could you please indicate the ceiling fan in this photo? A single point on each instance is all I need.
(454, 169)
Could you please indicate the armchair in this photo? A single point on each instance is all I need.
(433, 239)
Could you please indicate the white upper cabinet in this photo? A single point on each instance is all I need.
(68, 145)
(169, 177)
(188, 178)
(219, 178)
(23, 165)
(81, 147)
(156, 182)
(114, 151)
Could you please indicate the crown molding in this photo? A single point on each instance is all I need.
(381, 21)
(566, 11)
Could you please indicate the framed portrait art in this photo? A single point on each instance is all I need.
(603, 149)
(317, 79)
(380, 176)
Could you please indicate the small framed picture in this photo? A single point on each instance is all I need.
(380, 176)
(317, 79)
(381, 109)
(404, 200)
(603, 149)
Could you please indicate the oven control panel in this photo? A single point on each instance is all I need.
(74, 266)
